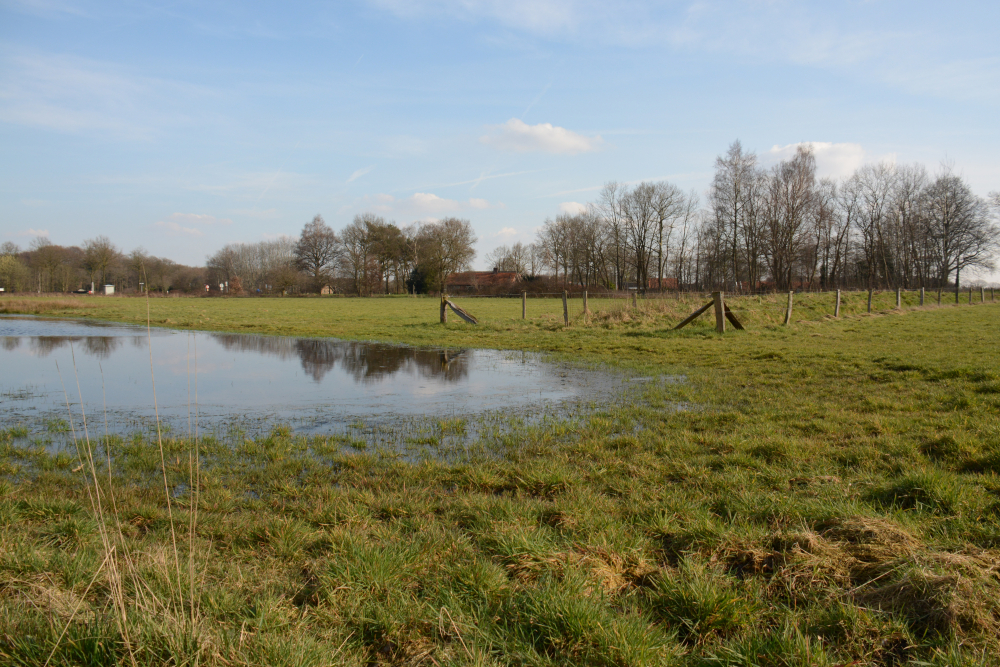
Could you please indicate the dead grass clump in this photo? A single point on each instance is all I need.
(943, 604)
(877, 564)
(23, 306)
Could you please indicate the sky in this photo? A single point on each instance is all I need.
(181, 126)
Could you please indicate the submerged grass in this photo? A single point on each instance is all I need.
(831, 498)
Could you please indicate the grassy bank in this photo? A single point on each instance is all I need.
(832, 497)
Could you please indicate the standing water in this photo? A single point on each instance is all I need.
(314, 385)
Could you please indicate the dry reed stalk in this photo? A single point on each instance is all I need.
(163, 461)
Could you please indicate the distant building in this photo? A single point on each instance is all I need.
(472, 281)
(326, 289)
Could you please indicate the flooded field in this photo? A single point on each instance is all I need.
(251, 383)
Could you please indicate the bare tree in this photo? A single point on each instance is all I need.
(316, 250)
(960, 228)
(790, 204)
(98, 256)
(450, 247)
(359, 249)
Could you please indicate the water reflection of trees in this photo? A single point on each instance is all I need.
(365, 362)
(99, 346)
(11, 343)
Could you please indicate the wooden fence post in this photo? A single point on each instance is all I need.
(720, 312)
(939, 296)
(869, 301)
(524, 305)
(788, 310)
(899, 298)
(635, 299)
(982, 295)
(586, 309)
(836, 309)
(444, 309)
(565, 309)
(970, 296)
(921, 296)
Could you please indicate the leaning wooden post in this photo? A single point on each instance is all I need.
(524, 305)
(921, 296)
(899, 298)
(836, 309)
(788, 309)
(586, 308)
(869, 301)
(720, 312)
(444, 309)
(565, 309)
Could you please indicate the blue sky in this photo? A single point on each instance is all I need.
(181, 126)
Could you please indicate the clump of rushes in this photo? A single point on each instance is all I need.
(822, 498)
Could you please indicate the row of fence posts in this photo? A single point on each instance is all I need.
(899, 300)
(718, 297)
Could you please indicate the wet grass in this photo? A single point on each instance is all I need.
(832, 497)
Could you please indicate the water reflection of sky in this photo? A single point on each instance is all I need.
(276, 377)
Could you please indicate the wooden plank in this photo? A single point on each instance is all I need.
(836, 309)
(690, 318)
(565, 309)
(461, 313)
(718, 300)
(732, 318)
(788, 310)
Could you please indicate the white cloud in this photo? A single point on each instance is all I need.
(505, 233)
(516, 135)
(177, 228)
(34, 232)
(430, 203)
(832, 160)
(360, 172)
(572, 207)
(478, 203)
(189, 223)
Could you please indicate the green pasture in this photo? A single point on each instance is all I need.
(825, 493)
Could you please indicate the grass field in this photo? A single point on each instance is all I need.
(830, 497)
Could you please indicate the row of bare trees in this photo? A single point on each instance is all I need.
(368, 256)
(776, 228)
(47, 267)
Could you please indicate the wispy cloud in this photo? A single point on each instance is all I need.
(832, 160)
(176, 228)
(33, 232)
(190, 223)
(360, 172)
(75, 95)
(516, 135)
(572, 207)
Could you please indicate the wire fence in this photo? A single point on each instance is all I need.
(672, 308)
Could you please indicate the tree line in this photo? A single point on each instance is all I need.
(783, 227)
(885, 226)
(368, 256)
(47, 267)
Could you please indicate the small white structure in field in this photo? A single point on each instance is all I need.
(109, 290)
